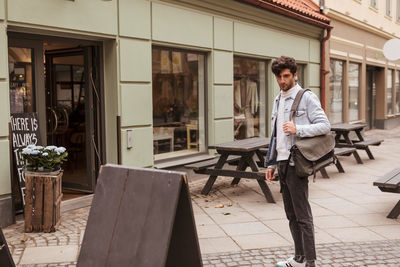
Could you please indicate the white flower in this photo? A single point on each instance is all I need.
(45, 154)
(30, 146)
(51, 147)
(38, 147)
(34, 152)
(60, 150)
(26, 151)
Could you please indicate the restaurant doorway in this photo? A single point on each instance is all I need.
(61, 80)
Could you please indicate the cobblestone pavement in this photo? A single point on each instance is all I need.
(377, 253)
(70, 232)
(350, 218)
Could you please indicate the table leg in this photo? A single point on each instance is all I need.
(241, 167)
(359, 135)
(369, 153)
(324, 173)
(350, 143)
(337, 137)
(357, 157)
(260, 156)
(394, 213)
(339, 166)
(212, 178)
(261, 182)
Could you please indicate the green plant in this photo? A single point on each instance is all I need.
(46, 159)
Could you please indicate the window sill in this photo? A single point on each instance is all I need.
(373, 9)
(356, 122)
(391, 116)
(181, 160)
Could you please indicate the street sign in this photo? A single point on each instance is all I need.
(140, 217)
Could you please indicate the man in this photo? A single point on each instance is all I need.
(309, 120)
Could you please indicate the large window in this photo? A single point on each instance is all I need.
(398, 10)
(21, 80)
(389, 92)
(354, 89)
(178, 102)
(301, 74)
(336, 91)
(249, 92)
(397, 86)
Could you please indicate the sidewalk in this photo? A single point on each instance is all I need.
(349, 217)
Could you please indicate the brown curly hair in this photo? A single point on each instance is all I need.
(284, 62)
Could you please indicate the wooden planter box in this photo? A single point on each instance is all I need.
(42, 201)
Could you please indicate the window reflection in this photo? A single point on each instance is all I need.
(354, 88)
(300, 74)
(336, 91)
(21, 80)
(389, 88)
(249, 91)
(178, 99)
(397, 85)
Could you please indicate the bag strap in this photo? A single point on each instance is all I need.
(296, 102)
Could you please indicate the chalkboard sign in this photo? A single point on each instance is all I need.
(24, 132)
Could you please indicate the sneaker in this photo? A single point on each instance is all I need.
(290, 263)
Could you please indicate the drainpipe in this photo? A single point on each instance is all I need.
(324, 72)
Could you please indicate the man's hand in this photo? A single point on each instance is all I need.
(289, 127)
(269, 175)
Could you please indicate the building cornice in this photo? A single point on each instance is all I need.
(333, 14)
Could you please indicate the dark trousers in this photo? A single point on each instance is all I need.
(294, 191)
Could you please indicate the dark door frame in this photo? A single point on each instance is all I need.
(95, 55)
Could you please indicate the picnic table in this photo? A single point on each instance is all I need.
(390, 182)
(342, 139)
(243, 153)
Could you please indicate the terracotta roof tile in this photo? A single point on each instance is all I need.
(302, 9)
(306, 7)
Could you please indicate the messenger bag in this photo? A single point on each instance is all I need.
(310, 154)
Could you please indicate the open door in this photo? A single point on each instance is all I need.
(73, 113)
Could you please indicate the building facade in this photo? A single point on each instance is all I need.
(142, 83)
(363, 86)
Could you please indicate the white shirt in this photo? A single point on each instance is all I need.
(282, 138)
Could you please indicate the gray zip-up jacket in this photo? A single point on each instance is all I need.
(310, 120)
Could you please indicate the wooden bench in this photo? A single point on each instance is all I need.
(364, 145)
(198, 167)
(205, 167)
(341, 151)
(390, 182)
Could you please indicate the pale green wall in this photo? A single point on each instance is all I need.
(267, 42)
(88, 15)
(135, 60)
(3, 52)
(132, 27)
(111, 100)
(136, 101)
(223, 34)
(5, 181)
(134, 18)
(2, 9)
(178, 25)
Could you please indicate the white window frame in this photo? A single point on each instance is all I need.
(389, 8)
